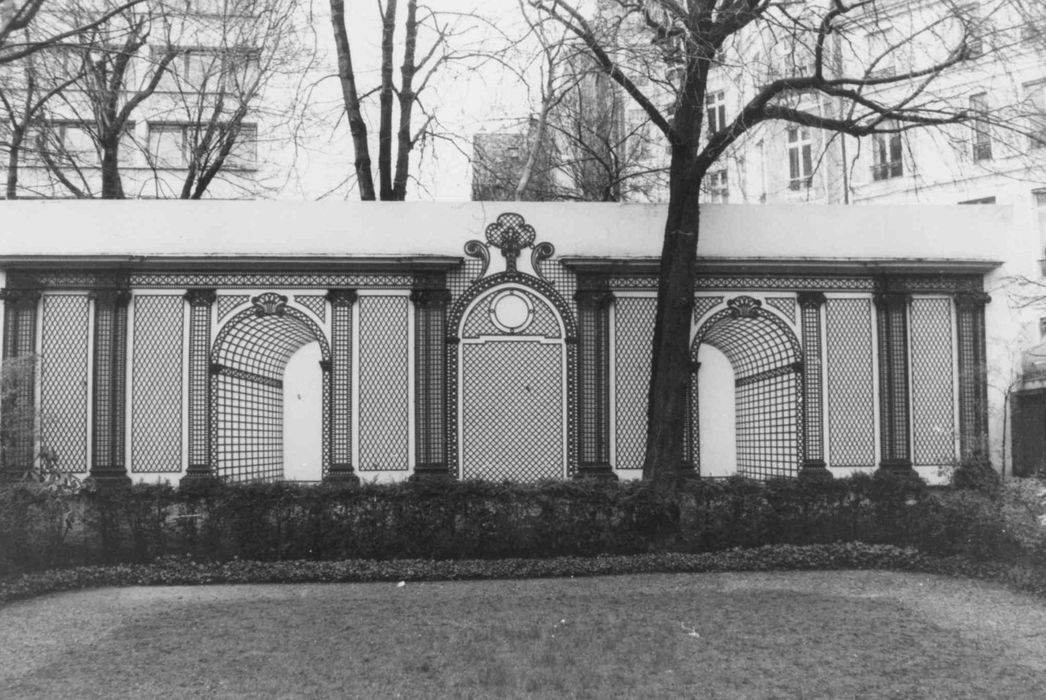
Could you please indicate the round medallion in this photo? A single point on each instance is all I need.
(511, 311)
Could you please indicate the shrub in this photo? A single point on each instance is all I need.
(449, 520)
(977, 476)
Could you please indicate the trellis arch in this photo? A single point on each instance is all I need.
(497, 359)
(248, 361)
(768, 387)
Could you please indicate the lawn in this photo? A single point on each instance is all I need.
(804, 634)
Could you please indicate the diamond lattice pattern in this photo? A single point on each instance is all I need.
(383, 394)
(933, 398)
(156, 383)
(63, 378)
(851, 382)
(633, 335)
(512, 411)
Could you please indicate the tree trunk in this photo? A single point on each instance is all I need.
(405, 142)
(670, 370)
(112, 185)
(347, 78)
(13, 154)
(388, 30)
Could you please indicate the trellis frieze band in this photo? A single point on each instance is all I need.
(492, 358)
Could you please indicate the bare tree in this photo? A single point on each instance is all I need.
(215, 88)
(116, 80)
(24, 29)
(823, 52)
(431, 41)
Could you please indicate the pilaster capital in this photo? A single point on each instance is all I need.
(594, 298)
(341, 297)
(810, 300)
(20, 298)
(971, 301)
(110, 296)
(430, 297)
(891, 300)
(200, 296)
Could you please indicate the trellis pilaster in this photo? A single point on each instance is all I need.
(593, 309)
(894, 399)
(810, 305)
(342, 302)
(109, 405)
(973, 377)
(200, 303)
(431, 299)
(18, 414)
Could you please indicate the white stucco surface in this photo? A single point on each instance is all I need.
(321, 229)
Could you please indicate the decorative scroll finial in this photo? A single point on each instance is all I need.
(511, 233)
(270, 304)
(743, 306)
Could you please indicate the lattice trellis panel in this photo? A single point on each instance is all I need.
(228, 302)
(248, 427)
(767, 425)
(315, 303)
(63, 379)
(156, 384)
(933, 377)
(259, 280)
(512, 411)
(633, 336)
(784, 305)
(544, 321)
(753, 345)
(702, 305)
(768, 394)
(250, 356)
(459, 279)
(564, 280)
(851, 382)
(384, 408)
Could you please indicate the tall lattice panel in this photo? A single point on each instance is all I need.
(384, 407)
(933, 381)
(64, 379)
(851, 382)
(156, 383)
(513, 410)
(633, 335)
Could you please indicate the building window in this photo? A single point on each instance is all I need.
(976, 29)
(881, 53)
(982, 140)
(1031, 32)
(886, 155)
(715, 111)
(800, 158)
(170, 145)
(719, 185)
(1035, 104)
(209, 70)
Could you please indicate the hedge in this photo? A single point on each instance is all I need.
(450, 520)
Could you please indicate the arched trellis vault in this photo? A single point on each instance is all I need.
(768, 387)
(248, 360)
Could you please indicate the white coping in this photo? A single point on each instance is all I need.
(223, 229)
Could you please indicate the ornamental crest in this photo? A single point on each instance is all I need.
(510, 234)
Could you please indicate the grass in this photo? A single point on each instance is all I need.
(800, 634)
